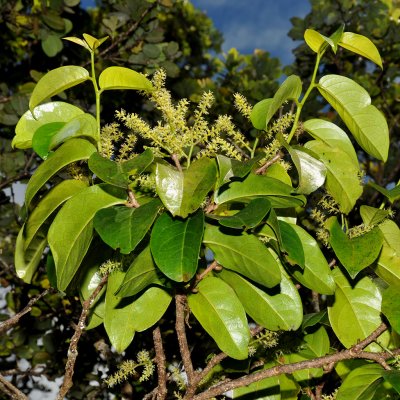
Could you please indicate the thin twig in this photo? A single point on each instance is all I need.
(132, 200)
(273, 160)
(214, 265)
(175, 159)
(10, 390)
(161, 364)
(73, 346)
(16, 178)
(14, 320)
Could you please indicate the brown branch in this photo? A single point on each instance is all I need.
(180, 302)
(16, 178)
(14, 320)
(73, 346)
(175, 159)
(132, 200)
(10, 390)
(264, 167)
(160, 361)
(213, 266)
(355, 351)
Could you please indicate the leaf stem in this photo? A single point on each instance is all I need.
(97, 92)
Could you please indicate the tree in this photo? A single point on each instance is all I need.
(192, 212)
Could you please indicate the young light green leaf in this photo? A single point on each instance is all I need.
(315, 41)
(259, 112)
(113, 78)
(93, 42)
(57, 196)
(391, 234)
(78, 41)
(373, 216)
(71, 151)
(175, 245)
(336, 36)
(388, 266)
(140, 274)
(125, 227)
(244, 254)
(361, 45)
(274, 311)
(331, 135)
(391, 306)
(56, 81)
(56, 111)
(74, 221)
(357, 253)
(353, 104)
(342, 178)
(355, 311)
(392, 194)
(222, 316)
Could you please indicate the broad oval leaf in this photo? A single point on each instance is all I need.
(70, 233)
(316, 41)
(342, 178)
(71, 151)
(391, 234)
(391, 307)
(222, 316)
(56, 111)
(388, 266)
(42, 137)
(124, 227)
(361, 45)
(243, 253)
(353, 104)
(372, 216)
(355, 311)
(357, 253)
(56, 81)
(175, 245)
(273, 310)
(123, 78)
(259, 113)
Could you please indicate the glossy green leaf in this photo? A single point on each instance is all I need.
(391, 234)
(69, 152)
(331, 135)
(291, 244)
(248, 217)
(316, 274)
(140, 274)
(357, 253)
(123, 78)
(355, 311)
(175, 245)
(42, 137)
(222, 316)
(315, 41)
(361, 383)
(361, 45)
(243, 253)
(277, 171)
(27, 258)
(274, 310)
(57, 196)
(56, 111)
(391, 306)
(124, 227)
(93, 42)
(118, 173)
(393, 378)
(259, 113)
(392, 194)
(373, 216)
(75, 222)
(183, 192)
(278, 193)
(56, 81)
(313, 319)
(336, 36)
(388, 266)
(118, 320)
(342, 178)
(353, 104)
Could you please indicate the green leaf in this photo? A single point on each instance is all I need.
(388, 266)
(278, 193)
(357, 253)
(175, 245)
(93, 42)
(331, 135)
(118, 173)
(361, 384)
(74, 221)
(259, 112)
(27, 258)
(391, 306)
(140, 274)
(353, 104)
(355, 311)
(243, 253)
(291, 244)
(342, 178)
(315, 41)
(118, 320)
(183, 192)
(248, 217)
(222, 316)
(361, 45)
(391, 234)
(335, 37)
(71, 151)
(313, 319)
(52, 45)
(372, 216)
(57, 196)
(392, 194)
(55, 111)
(113, 78)
(41, 138)
(124, 227)
(273, 310)
(393, 378)
(277, 171)
(56, 81)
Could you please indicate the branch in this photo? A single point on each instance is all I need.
(9, 389)
(355, 351)
(273, 160)
(14, 320)
(133, 203)
(175, 159)
(16, 178)
(213, 266)
(73, 346)
(160, 361)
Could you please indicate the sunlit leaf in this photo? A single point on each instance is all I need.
(392, 194)
(259, 113)
(391, 306)
(316, 41)
(123, 78)
(372, 216)
(388, 266)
